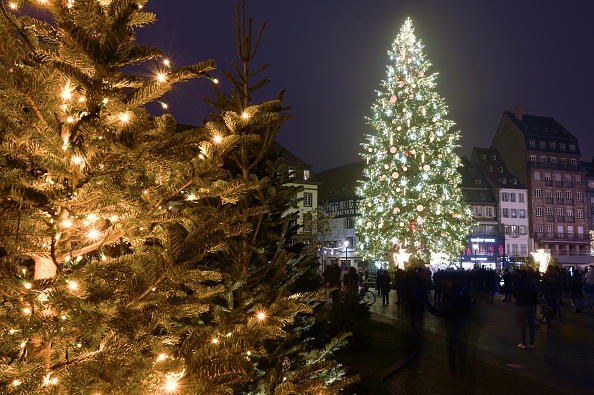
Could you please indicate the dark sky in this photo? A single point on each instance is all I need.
(330, 55)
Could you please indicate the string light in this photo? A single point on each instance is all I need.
(245, 115)
(217, 138)
(125, 117)
(93, 234)
(261, 316)
(28, 286)
(161, 77)
(12, 6)
(73, 285)
(67, 223)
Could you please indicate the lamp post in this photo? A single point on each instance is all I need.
(346, 251)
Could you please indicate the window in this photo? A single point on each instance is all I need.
(521, 197)
(500, 169)
(573, 162)
(572, 148)
(490, 168)
(531, 143)
(505, 212)
(549, 194)
(580, 213)
(549, 211)
(568, 195)
(562, 146)
(306, 174)
(552, 145)
(542, 144)
(559, 194)
(543, 159)
(514, 213)
(578, 196)
(537, 174)
(512, 197)
(578, 179)
(523, 249)
(478, 182)
(539, 211)
(350, 222)
(307, 199)
(570, 212)
(522, 229)
(494, 157)
(559, 212)
(489, 212)
(563, 161)
(291, 172)
(539, 228)
(478, 211)
(351, 241)
(537, 194)
(550, 229)
(504, 197)
(522, 213)
(553, 161)
(533, 158)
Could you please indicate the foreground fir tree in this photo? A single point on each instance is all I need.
(412, 202)
(261, 338)
(99, 235)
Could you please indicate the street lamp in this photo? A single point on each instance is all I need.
(346, 251)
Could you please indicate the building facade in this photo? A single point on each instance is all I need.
(545, 157)
(512, 204)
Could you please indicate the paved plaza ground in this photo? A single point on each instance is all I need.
(561, 363)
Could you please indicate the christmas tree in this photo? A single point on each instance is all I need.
(118, 228)
(272, 289)
(412, 204)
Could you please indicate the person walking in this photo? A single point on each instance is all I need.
(576, 289)
(332, 279)
(507, 285)
(526, 294)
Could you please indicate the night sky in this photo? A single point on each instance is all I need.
(330, 55)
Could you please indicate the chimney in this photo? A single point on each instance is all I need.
(518, 112)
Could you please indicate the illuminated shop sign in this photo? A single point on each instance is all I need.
(481, 240)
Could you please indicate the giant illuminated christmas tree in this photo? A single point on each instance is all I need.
(412, 203)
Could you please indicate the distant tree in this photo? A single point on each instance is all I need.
(411, 194)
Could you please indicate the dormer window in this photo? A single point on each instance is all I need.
(501, 169)
(503, 181)
(494, 157)
(306, 174)
(514, 181)
(471, 169)
(572, 147)
(477, 182)
(483, 156)
(490, 168)
(542, 144)
(532, 143)
(291, 172)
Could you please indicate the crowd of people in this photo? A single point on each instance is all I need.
(450, 293)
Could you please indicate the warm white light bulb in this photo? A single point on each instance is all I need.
(28, 286)
(93, 234)
(245, 115)
(261, 316)
(125, 117)
(161, 77)
(73, 285)
(67, 223)
(217, 139)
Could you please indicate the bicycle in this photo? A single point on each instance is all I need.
(544, 312)
(366, 296)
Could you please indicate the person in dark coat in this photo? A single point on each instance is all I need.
(332, 279)
(577, 294)
(526, 294)
(385, 284)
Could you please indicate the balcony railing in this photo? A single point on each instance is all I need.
(569, 201)
(549, 200)
(570, 219)
(559, 200)
(551, 218)
(561, 236)
(558, 183)
(560, 218)
(549, 183)
(544, 165)
(569, 184)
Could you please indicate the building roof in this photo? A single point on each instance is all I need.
(475, 187)
(340, 182)
(543, 129)
(493, 168)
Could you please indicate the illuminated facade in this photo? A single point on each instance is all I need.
(546, 158)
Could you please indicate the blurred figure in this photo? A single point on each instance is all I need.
(525, 285)
(385, 283)
(576, 289)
